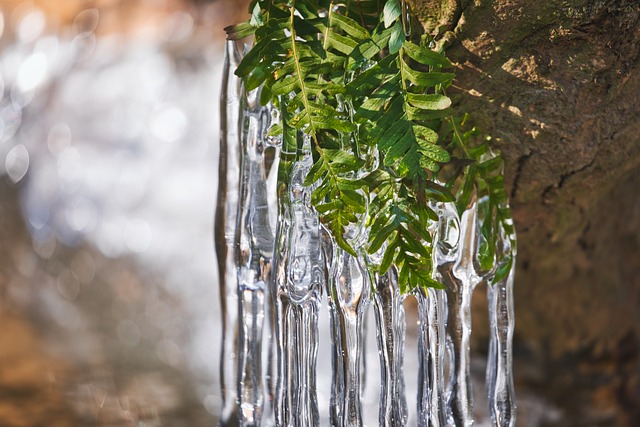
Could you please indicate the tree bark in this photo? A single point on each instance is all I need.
(557, 85)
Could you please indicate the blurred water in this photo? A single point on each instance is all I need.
(111, 140)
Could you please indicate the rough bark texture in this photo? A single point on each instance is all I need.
(557, 85)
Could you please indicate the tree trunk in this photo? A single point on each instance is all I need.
(557, 85)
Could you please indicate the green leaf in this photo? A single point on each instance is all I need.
(315, 173)
(349, 26)
(389, 254)
(425, 56)
(427, 79)
(467, 189)
(503, 271)
(375, 77)
(428, 282)
(389, 118)
(354, 200)
(319, 194)
(256, 16)
(429, 102)
(438, 192)
(368, 48)
(392, 11)
(285, 86)
(426, 134)
(398, 149)
(378, 238)
(416, 247)
(256, 78)
(341, 43)
(393, 134)
(332, 123)
(239, 31)
(261, 49)
(429, 164)
(490, 165)
(420, 230)
(275, 130)
(418, 114)
(344, 244)
(397, 38)
(435, 152)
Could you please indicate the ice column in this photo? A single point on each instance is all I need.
(348, 299)
(391, 329)
(224, 230)
(499, 379)
(299, 280)
(460, 281)
(431, 357)
(254, 243)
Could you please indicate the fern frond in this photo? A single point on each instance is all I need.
(382, 132)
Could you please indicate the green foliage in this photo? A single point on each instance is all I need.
(372, 102)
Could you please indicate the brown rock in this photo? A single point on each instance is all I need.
(557, 85)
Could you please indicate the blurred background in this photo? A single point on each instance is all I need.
(108, 139)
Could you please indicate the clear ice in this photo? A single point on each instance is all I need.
(276, 263)
(391, 332)
(299, 281)
(225, 230)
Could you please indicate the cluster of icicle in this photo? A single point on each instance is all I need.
(276, 262)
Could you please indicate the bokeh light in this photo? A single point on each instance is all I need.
(108, 140)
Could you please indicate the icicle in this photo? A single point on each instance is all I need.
(460, 282)
(363, 359)
(254, 249)
(406, 18)
(431, 354)
(499, 380)
(299, 280)
(272, 159)
(390, 320)
(502, 403)
(227, 202)
(348, 299)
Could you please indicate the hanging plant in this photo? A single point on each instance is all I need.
(369, 88)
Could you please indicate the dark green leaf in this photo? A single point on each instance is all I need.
(389, 254)
(377, 239)
(367, 49)
(315, 173)
(398, 149)
(503, 271)
(349, 26)
(438, 192)
(341, 43)
(354, 200)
